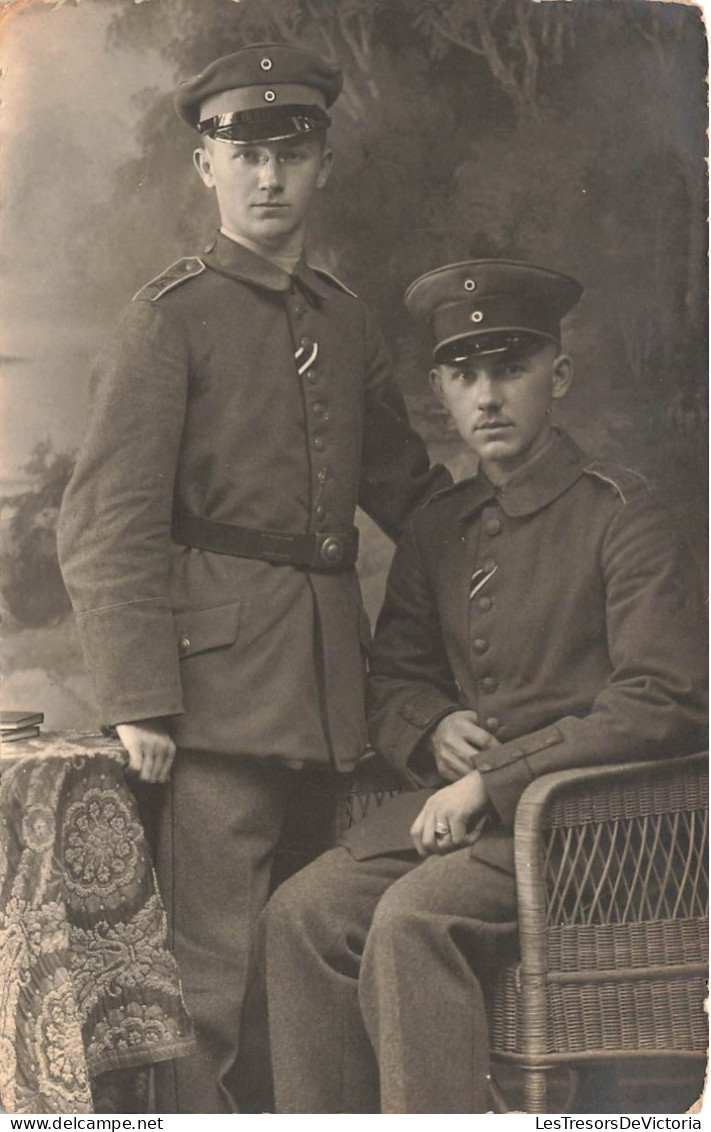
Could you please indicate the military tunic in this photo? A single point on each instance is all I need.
(564, 609)
(238, 393)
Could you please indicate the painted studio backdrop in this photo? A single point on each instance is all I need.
(570, 134)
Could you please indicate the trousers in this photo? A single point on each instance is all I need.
(221, 820)
(382, 963)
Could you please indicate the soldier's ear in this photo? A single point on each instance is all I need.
(325, 170)
(202, 161)
(562, 376)
(436, 383)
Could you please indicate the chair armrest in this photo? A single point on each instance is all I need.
(610, 790)
(611, 844)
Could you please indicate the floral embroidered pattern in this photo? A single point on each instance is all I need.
(87, 984)
(38, 828)
(62, 1069)
(40, 1034)
(101, 841)
(109, 958)
(134, 1029)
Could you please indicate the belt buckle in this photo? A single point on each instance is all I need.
(332, 550)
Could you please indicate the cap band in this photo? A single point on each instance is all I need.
(259, 97)
(495, 312)
(264, 124)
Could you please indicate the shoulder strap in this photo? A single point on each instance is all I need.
(173, 276)
(624, 481)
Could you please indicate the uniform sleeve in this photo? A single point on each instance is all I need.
(396, 475)
(653, 704)
(411, 686)
(114, 528)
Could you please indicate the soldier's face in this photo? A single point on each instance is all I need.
(264, 190)
(500, 403)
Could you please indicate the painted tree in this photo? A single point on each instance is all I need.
(30, 581)
(567, 133)
(519, 42)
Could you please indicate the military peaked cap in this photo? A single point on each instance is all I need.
(264, 92)
(488, 305)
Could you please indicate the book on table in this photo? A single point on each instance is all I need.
(17, 720)
(18, 734)
(17, 726)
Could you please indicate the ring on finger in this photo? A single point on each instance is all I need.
(442, 831)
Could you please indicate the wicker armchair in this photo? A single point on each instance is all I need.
(611, 867)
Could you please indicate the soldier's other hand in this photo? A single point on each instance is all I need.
(455, 740)
(151, 749)
(444, 822)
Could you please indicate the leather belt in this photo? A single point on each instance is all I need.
(322, 551)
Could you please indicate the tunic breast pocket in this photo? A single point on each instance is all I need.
(199, 630)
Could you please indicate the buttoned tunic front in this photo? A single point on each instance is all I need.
(235, 392)
(564, 609)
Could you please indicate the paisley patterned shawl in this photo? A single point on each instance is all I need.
(87, 983)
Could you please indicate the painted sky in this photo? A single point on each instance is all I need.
(69, 103)
(66, 124)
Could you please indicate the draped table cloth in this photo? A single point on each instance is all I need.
(88, 986)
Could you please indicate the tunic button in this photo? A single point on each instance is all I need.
(183, 644)
(311, 377)
(483, 604)
(480, 645)
(490, 683)
(318, 443)
(492, 724)
(306, 343)
(320, 512)
(319, 408)
(488, 565)
(323, 474)
(492, 527)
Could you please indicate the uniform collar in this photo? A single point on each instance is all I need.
(230, 258)
(559, 467)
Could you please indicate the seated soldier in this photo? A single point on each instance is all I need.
(541, 615)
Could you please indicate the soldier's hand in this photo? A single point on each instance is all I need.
(150, 747)
(443, 822)
(455, 740)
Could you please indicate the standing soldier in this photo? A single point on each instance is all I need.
(243, 409)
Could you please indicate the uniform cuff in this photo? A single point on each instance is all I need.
(506, 772)
(421, 769)
(421, 713)
(131, 653)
